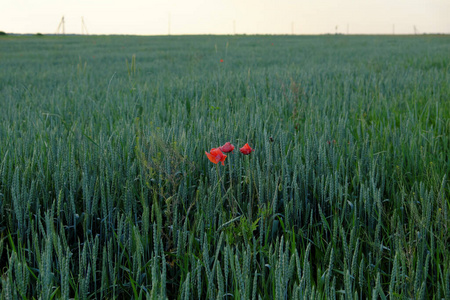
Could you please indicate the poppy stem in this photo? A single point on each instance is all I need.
(231, 203)
(222, 187)
(249, 176)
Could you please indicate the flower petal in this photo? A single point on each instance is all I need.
(211, 157)
(246, 149)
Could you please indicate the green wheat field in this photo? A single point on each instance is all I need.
(106, 191)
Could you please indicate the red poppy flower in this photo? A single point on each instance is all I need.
(221, 60)
(215, 155)
(246, 149)
(228, 147)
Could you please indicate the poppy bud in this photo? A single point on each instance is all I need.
(227, 147)
(246, 149)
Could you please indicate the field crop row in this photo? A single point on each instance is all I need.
(106, 191)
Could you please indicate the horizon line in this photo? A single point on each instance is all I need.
(226, 34)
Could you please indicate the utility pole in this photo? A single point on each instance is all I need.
(61, 27)
(83, 27)
(347, 29)
(234, 27)
(292, 28)
(393, 29)
(415, 29)
(169, 25)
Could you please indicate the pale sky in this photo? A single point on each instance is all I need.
(152, 17)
